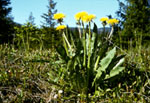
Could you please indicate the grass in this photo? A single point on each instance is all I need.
(24, 77)
(29, 77)
(33, 77)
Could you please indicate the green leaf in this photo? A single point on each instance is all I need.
(72, 41)
(92, 42)
(107, 60)
(62, 52)
(104, 63)
(113, 63)
(116, 70)
(98, 75)
(95, 29)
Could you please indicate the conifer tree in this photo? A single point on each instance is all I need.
(4, 8)
(135, 16)
(49, 21)
(31, 19)
(6, 23)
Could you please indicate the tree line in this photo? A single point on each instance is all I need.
(134, 16)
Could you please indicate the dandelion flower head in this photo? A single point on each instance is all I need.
(103, 19)
(80, 15)
(58, 16)
(113, 21)
(60, 27)
(88, 18)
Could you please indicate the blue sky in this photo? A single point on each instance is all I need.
(101, 8)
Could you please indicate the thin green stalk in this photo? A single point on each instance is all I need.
(104, 29)
(70, 48)
(84, 61)
(65, 46)
(96, 64)
(112, 30)
(89, 59)
(67, 41)
(89, 47)
(84, 45)
(79, 29)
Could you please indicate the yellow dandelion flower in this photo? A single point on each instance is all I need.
(85, 18)
(113, 21)
(88, 18)
(80, 15)
(103, 19)
(58, 16)
(91, 17)
(60, 27)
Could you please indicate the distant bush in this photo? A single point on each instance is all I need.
(29, 36)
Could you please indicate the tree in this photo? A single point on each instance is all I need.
(31, 19)
(49, 21)
(6, 22)
(4, 9)
(134, 16)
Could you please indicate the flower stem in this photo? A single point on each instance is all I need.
(84, 45)
(67, 41)
(112, 30)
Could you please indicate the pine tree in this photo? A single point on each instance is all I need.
(6, 23)
(49, 21)
(135, 16)
(31, 19)
(4, 9)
